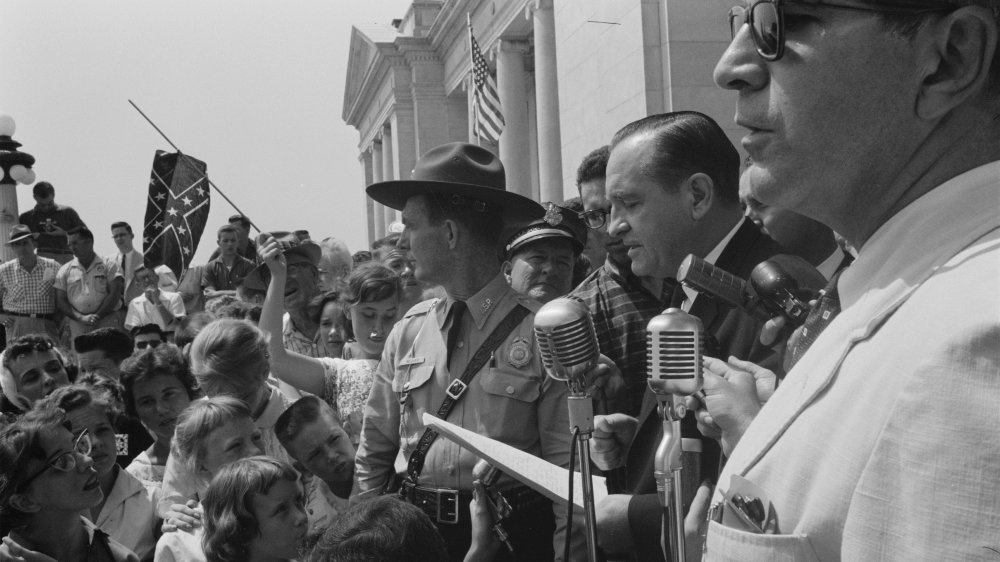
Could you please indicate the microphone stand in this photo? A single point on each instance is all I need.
(581, 416)
(667, 471)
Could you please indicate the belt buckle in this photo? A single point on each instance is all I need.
(450, 496)
(456, 389)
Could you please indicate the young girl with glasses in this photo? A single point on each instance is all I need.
(47, 480)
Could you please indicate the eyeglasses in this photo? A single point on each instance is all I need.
(767, 20)
(149, 343)
(65, 461)
(594, 219)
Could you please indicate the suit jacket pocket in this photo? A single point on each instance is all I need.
(729, 544)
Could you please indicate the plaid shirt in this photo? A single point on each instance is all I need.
(296, 341)
(29, 292)
(621, 308)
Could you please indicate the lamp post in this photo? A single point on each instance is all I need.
(15, 167)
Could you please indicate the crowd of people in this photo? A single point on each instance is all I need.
(268, 405)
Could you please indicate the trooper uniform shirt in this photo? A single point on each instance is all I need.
(510, 399)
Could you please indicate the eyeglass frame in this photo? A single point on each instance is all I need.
(880, 7)
(600, 218)
(83, 438)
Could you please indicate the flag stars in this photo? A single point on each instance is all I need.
(172, 212)
(161, 196)
(182, 230)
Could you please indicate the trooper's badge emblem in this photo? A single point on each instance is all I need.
(520, 352)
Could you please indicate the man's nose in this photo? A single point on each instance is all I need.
(740, 66)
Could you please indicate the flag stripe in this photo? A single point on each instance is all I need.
(486, 102)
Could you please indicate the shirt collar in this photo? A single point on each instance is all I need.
(482, 304)
(275, 406)
(914, 242)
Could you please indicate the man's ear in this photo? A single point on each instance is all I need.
(506, 268)
(24, 503)
(957, 53)
(451, 232)
(700, 190)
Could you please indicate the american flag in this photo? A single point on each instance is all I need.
(489, 119)
(176, 211)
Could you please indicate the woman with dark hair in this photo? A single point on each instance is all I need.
(158, 387)
(47, 479)
(125, 512)
(332, 316)
(254, 512)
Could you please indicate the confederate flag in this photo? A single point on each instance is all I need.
(176, 211)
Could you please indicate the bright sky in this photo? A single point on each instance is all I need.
(253, 88)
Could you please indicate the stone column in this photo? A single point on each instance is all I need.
(379, 209)
(387, 173)
(366, 173)
(514, 151)
(547, 103)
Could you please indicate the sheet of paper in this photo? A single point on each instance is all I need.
(544, 477)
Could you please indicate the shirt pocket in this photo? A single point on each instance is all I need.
(508, 411)
(509, 384)
(409, 377)
(75, 276)
(729, 544)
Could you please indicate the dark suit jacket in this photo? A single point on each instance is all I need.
(735, 333)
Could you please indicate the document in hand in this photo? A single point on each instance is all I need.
(544, 477)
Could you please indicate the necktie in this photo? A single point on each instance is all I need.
(456, 313)
(827, 308)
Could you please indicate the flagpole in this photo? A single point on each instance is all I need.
(228, 200)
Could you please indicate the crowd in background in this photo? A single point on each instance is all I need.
(269, 404)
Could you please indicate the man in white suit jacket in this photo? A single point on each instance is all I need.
(881, 121)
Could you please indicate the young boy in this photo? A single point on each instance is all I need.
(311, 433)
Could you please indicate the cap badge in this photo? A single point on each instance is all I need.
(553, 216)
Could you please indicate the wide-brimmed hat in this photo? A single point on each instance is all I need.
(19, 232)
(470, 173)
(296, 252)
(558, 222)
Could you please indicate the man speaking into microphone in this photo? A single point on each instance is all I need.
(673, 182)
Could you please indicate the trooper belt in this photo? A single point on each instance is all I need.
(444, 505)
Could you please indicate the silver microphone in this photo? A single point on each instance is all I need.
(673, 355)
(567, 341)
(674, 341)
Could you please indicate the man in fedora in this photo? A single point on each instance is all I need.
(26, 288)
(471, 354)
(300, 331)
(540, 256)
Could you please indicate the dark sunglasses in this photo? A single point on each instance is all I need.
(767, 20)
(149, 343)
